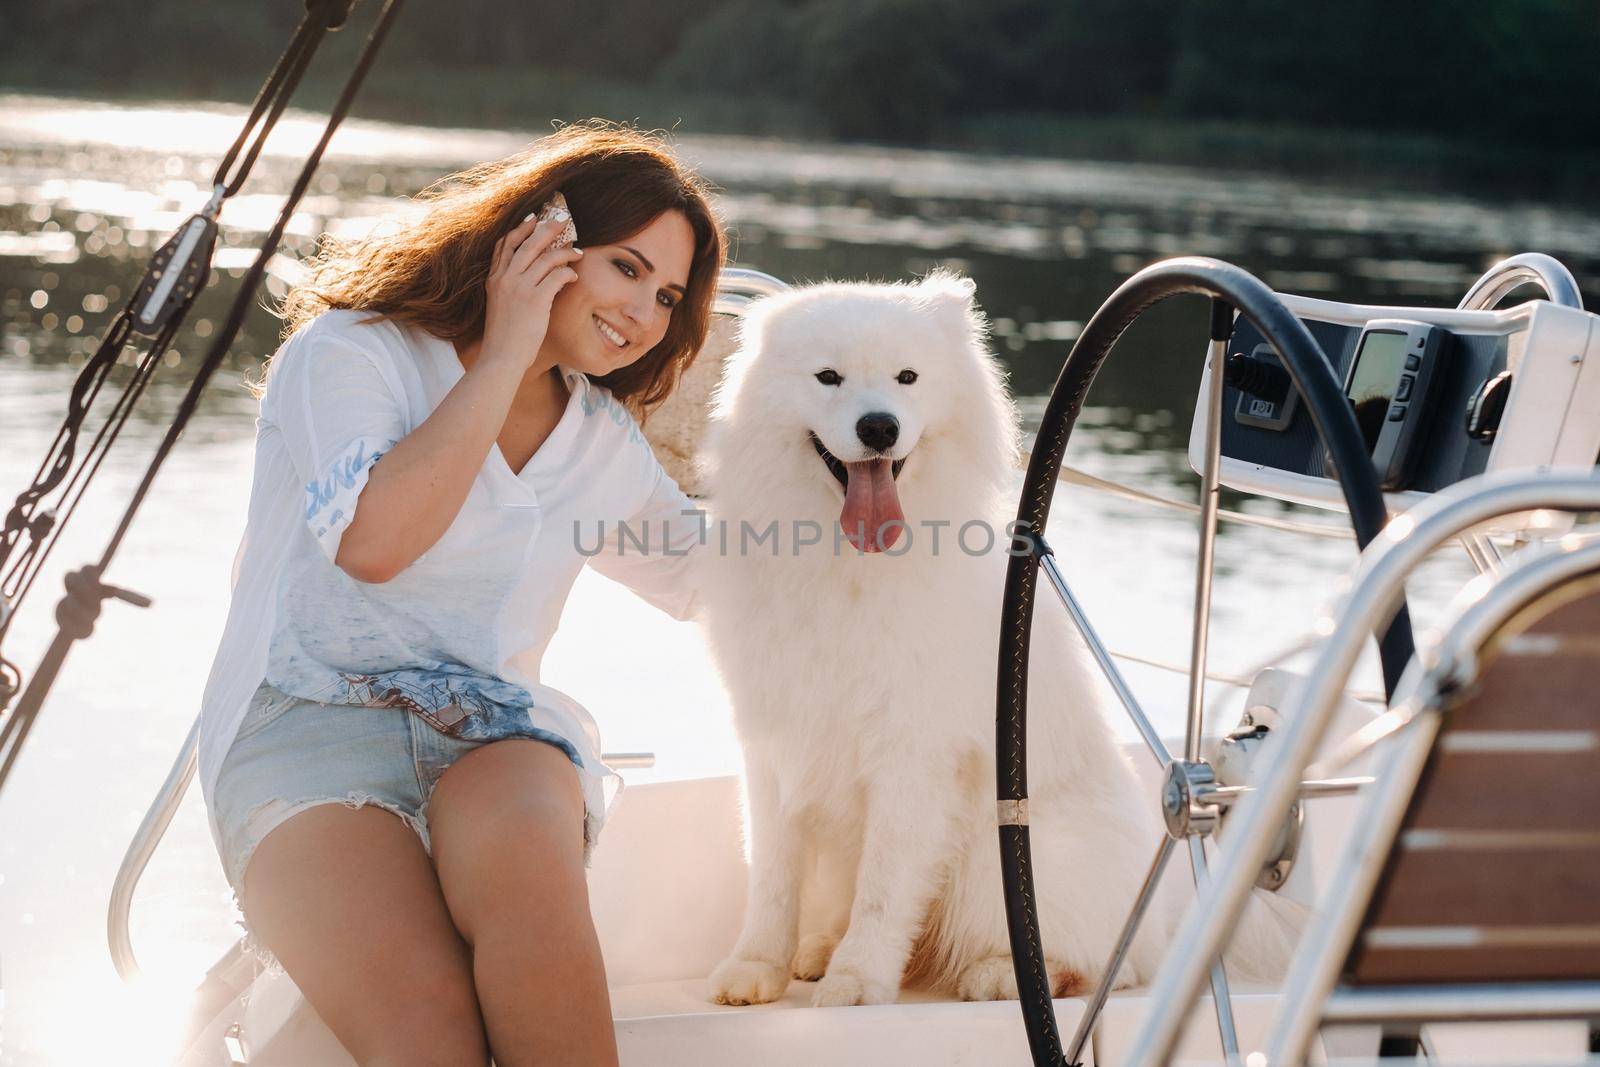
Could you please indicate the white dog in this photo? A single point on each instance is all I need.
(860, 470)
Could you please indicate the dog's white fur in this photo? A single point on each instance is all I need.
(864, 684)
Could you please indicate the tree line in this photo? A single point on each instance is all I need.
(1519, 71)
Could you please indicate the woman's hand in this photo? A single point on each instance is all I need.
(525, 275)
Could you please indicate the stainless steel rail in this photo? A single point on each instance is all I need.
(1448, 664)
(145, 839)
(1529, 268)
(739, 287)
(1372, 602)
(1535, 1000)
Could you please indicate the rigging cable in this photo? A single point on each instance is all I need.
(157, 308)
(77, 611)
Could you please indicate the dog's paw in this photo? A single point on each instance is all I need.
(994, 978)
(839, 990)
(1070, 982)
(991, 978)
(811, 960)
(737, 981)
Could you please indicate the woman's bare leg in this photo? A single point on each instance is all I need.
(506, 823)
(350, 904)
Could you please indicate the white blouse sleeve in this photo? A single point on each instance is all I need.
(653, 551)
(337, 414)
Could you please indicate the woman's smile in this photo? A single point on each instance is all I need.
(613, 337)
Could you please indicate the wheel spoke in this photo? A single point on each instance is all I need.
(1119, 685)
(1209, 494)
(1225, 796)
(1147, 893)
(1226, 1032)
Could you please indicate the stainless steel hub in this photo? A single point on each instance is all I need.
(1184, 802)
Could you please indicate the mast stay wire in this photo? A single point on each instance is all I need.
(78, 609)
(176, 273)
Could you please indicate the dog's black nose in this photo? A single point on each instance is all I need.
(878, 431)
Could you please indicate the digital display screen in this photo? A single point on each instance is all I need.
(1373, 379)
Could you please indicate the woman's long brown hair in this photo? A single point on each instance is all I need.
(432, 273)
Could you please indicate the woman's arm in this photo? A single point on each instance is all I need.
(414, 493)
(657, 556)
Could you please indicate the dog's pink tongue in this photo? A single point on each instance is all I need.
(870, 501)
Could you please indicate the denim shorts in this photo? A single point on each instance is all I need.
(291, 754)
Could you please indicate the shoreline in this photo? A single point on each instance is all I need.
(1336, 158)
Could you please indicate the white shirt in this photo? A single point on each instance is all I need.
(460, 633)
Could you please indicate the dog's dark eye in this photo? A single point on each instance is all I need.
(829, 377)
(906, 377)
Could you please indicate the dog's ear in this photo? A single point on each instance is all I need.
(947, 288)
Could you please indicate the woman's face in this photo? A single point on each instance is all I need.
(623, 299)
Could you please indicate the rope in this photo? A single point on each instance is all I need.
(1246, 680)
(1076, 476)
(77, 620)
(271, 100)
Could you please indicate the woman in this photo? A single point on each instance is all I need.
(456, 401)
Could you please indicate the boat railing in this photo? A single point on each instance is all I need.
(1454, 666)
(1528, 268)
(1375, 595)
(738, 287)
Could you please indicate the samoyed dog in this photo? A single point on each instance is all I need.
(860, 470)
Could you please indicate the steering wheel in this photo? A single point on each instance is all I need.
(1187, 778)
